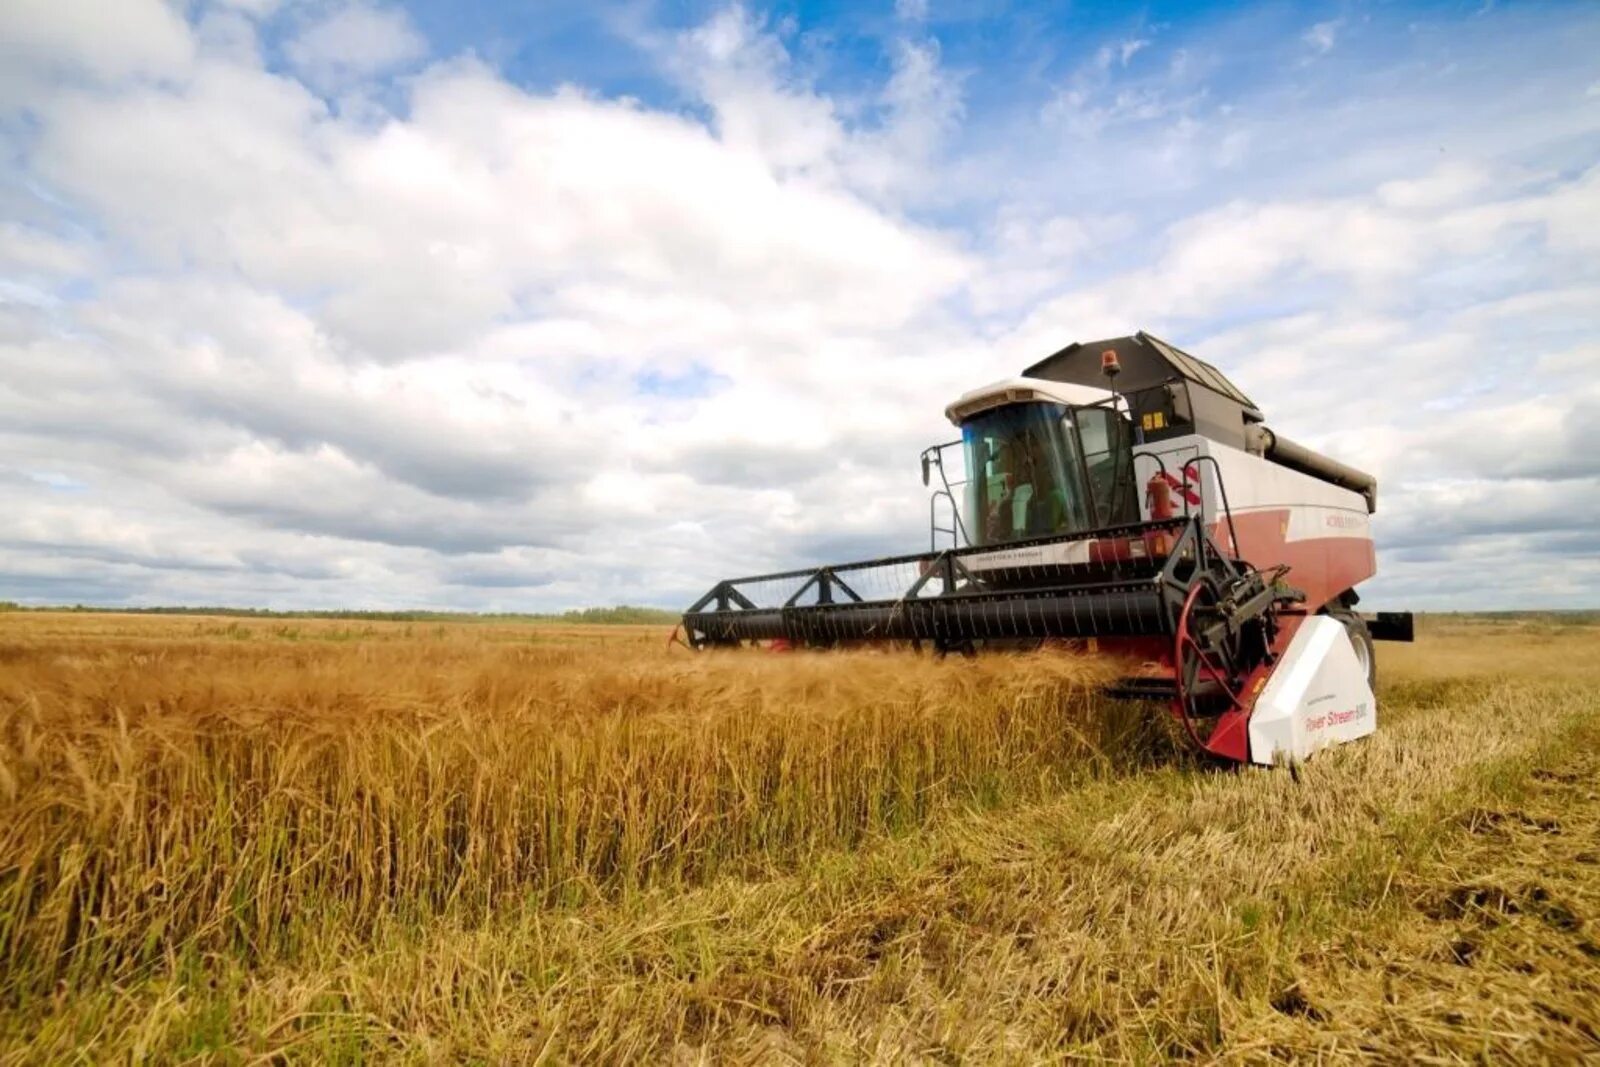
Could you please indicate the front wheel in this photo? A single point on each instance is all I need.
(1360, 641)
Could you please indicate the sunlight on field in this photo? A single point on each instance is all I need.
(335, 839)
(221, 785)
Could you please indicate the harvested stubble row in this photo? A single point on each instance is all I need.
(169, 788)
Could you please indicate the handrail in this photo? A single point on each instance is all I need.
(1123, 585)
(1126, 529)
(933, 455)
(1222, 490)
(934, 529)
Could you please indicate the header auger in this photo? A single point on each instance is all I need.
(1159, 518)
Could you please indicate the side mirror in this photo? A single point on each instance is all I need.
(925, 466)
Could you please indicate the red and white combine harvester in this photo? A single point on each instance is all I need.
(1126, 494)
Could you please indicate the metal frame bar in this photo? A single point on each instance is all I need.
(933, 456)
(934, 529)
(1131, 529)
(1238, 594)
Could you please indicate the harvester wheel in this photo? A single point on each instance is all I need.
(1360, 640)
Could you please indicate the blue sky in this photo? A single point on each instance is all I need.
(316, 303)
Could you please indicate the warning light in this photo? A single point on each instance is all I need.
(1110, 366)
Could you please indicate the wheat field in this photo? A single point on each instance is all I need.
(296, 840)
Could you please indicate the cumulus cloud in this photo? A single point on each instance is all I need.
(296, 312)
(1370, 243)
(354, 41)
(766, 103)
(425, 333)
(106, 42)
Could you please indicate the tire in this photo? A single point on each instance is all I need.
(1360, 640)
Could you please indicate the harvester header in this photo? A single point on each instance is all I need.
(1126, 491)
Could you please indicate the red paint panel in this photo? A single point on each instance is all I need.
(1322, 566)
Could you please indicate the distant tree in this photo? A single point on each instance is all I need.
(622, 614)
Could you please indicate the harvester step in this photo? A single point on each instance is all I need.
(1157, 687)
(1142, 687)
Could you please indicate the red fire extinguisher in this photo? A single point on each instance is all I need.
(1158, 499)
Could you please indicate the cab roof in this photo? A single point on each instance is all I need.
(1022, 390)
(1146, 361)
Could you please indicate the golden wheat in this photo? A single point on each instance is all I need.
(228, 787)
(336, 841)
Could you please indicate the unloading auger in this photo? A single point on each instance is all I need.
(1125, 493)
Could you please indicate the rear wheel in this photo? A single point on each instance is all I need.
(1360, 641)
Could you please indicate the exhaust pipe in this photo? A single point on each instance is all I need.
(1281, 450)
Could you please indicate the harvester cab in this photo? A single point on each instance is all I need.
(1043, 458)
(1126, 494)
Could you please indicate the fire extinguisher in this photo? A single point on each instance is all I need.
(1158, 500)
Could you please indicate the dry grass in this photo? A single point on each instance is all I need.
(319, 841)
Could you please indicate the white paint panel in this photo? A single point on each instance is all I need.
(1317, 696)
(1307, 523)
(1316, 508)
(1255, 482)
(1022, 390)
(1033, 556)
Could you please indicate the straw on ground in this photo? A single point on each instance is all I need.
(326, 840)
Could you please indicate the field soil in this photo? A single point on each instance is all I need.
(228, 840)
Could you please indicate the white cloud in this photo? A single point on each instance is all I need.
(254, 8)
(25, 251)
(1100, 95)
(478, 345)
(104, 41)
(924, 102)
(420, 235)
(1449, 185)
(760, 105)
(911, 10)
(354, 41)
(763, 102)
(1371, 243)
(1118, 53)
(1322, 36)
(425, 333)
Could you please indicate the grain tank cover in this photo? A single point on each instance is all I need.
(1169, 391)
(1146, 360)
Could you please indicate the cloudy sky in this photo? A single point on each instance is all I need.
(310, 303)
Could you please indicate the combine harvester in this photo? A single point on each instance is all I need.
(1126, 494)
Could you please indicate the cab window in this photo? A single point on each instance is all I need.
(1108, 457)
